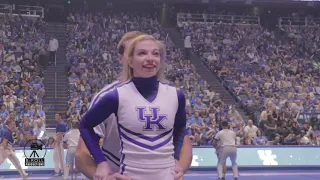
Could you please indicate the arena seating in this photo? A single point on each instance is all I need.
(275, 75)
(22, 90)
(90, 50)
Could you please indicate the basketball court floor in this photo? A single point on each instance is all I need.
(208, 175)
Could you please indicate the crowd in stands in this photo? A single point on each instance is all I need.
(93, 56)
(22, 47)
(275, 75)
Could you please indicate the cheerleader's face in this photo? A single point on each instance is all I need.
(146, 59)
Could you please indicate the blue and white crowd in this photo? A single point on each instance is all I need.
(22, 53)
(263, 80)
(276, 81)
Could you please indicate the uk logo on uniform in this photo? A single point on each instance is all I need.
(152, 118)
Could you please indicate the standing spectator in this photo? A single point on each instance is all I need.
(53, 47)
(43, 56)
(187, 47)
(227, 140)
(57, 146)
(72, 139)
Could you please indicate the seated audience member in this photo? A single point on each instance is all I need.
(259, 139)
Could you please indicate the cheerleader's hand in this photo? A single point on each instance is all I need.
(118, 176)
(103, 171)
(178, 171)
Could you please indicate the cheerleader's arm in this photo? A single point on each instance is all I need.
(96, 114)
(179, 130)
(186, 153)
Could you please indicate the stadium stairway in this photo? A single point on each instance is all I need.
(55, 77)
(205, 73)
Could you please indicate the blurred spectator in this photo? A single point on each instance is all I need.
(25, 134)
(259, 139)
(50, 142)
(251, 129)
(187, 46)
(53, 47)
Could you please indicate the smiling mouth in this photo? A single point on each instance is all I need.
(149, 66)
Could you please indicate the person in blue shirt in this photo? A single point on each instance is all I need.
(38, 85)
(58, 154)
(37, 110)
(25, 133)
(6, 149)
(4, 113)
(259, 139)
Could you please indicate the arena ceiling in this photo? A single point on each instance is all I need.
(297, 3)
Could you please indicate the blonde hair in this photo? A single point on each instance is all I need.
(127, 71)
(126, 37)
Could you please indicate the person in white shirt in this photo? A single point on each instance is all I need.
(218, 151)
(53, 47)
(71, 138)
(251, 130)
(227, 140)
(15, 67)
(9, 104)
(212, 57)
(187, 46)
